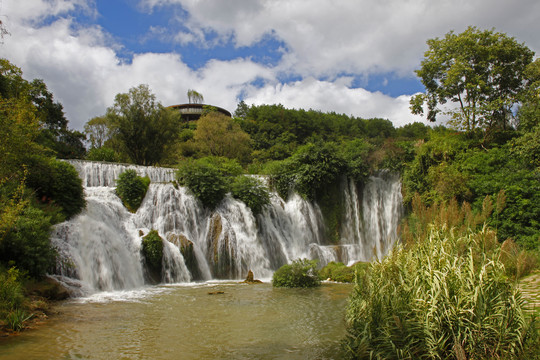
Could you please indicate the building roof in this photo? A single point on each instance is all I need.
(194, 111)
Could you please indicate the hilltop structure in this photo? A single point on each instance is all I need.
(191, 112)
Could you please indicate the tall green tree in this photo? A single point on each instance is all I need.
(143, 129)
(54, 132)
(480, 72)
(219, 135)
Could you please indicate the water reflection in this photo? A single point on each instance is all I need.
(186, 322)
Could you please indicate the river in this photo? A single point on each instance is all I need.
(211, 320)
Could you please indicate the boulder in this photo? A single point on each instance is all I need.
(188, 252)
(250, 279)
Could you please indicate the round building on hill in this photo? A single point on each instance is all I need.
(192, 112)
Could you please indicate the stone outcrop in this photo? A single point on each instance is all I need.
(221, 255)
(188, 252)
(250, 279)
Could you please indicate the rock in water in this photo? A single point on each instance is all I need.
(250, 279)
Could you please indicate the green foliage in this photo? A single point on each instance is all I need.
(102, 154)
(143, 129)
(218, 135)
(301, 273)
(251, 191)
(337, 271)
(444, 297)
(205, 180)
(11, 291)
(483, 72)
(15, 319)
(53, 127)
(131, 188)
(495, 169)
(152, 249)
(26, 244)
(277, 132)
(309, 171)
(57, 183)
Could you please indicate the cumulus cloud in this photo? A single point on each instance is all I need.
(334, 96)
(322, 40)
(328, 38)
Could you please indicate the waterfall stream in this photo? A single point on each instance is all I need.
(100, 249)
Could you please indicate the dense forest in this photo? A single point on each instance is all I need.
(480, 169)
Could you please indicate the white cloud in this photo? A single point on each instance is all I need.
(324, 39)
(334, 96)
(328, 38)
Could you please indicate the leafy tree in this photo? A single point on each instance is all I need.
(482, 72)
(98, 131)
(143, 129)
(54, 132)
(194, 97)
(219, 135)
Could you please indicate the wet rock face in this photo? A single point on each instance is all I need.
(186, 249)
(221, 256)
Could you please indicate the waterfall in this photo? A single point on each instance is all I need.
(100, 249)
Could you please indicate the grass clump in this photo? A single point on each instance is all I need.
(445, 297)
(302, 273)
(12, 299)
(131, 188)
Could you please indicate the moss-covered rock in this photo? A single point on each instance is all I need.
(152, 252)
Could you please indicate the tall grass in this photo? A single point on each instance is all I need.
(11, 299)
(447, 297)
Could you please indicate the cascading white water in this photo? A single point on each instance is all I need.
(96, 173)
(101, 246)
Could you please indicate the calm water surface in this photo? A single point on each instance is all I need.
(186, 322)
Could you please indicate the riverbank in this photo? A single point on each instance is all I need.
(41, 298)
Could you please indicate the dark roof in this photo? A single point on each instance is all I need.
(194, 111)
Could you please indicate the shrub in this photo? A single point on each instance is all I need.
(337, 271)
(102, 154)
(27, 244)
(131, 188)
(442, 298)
(301, 273)
(11, 291)
(251, 192)
(57, 182)
(152, 249)
(205, 180)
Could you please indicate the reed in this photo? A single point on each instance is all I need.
(446, 297)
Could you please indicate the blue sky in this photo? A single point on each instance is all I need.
(349, 56)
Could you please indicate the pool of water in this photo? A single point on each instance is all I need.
(217, 320)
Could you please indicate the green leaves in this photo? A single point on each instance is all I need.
(482, 72)
(301, 273)
(251, 192)
(152, 249)
(143, 129)
(131, 188)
